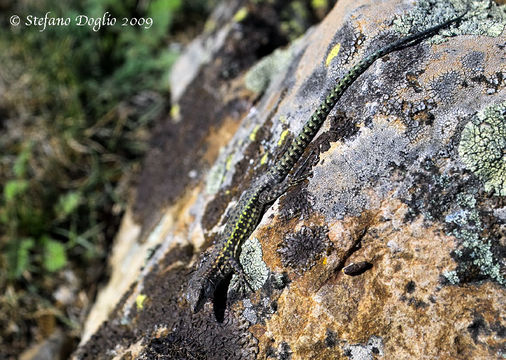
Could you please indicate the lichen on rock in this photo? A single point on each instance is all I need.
(482, 18)
(367, 351)
(302, 249)
(259, 76)
(253, 264)
(474, 253)
(482, 147)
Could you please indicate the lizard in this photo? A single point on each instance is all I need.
(222, 259)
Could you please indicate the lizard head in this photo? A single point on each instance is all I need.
(201, 285)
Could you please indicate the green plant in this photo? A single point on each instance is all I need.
(72, 132)
(75, 81)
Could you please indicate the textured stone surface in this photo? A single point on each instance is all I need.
(407, 177)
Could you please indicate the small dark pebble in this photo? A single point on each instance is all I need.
(359, 268)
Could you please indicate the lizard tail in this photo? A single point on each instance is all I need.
(308, 132)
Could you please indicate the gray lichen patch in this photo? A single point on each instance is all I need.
(259, 76)
(349, 173)
(302, 249)
(254, 266)
(474, 60)
(474, 253)
(369, 351)
(248, 312)
(445, 86)
(482, 147)
(216, 174)
(484, 17)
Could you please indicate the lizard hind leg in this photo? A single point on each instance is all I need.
(304, 170)
(239, 271)
(302, 173)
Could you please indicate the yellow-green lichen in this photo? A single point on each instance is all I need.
(319, 4)
(210, 26)
(332, 53)
(175, 113)
(139, 301)
(253, 134)
(283, 137)
(241, 14)
(482, 147)
(264, 158)
(228, 162)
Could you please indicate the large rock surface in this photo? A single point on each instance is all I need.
(408, 183)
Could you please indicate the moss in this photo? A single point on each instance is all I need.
(483, 18)
(483, 145)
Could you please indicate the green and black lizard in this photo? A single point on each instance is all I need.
(221, 260)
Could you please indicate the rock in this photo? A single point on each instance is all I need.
(407, 178)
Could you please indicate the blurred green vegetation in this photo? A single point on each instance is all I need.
(76, 107)
(67, 90)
